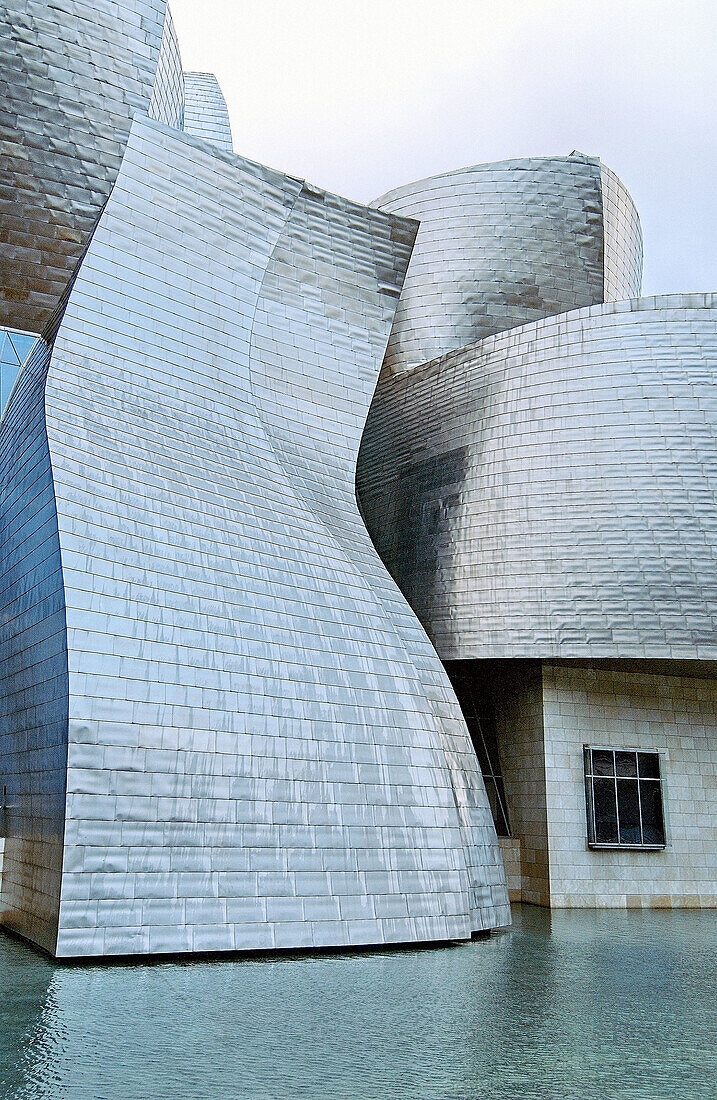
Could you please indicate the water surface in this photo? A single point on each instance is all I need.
(586, 1005)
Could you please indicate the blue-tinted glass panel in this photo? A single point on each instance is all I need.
(14, 350)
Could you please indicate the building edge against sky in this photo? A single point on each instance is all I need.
(223, 726)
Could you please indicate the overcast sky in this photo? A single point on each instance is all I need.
(359, 96)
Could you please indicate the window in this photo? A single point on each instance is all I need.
(624, 799)
(14, 350)
(474, 699)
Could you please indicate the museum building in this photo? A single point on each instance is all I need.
(358, 562)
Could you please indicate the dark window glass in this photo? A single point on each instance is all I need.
(626, 763)
(605, 811)
(501, 822)
(624, 804)
(474, 728)
(653, 825)
(603, 762)
(474, 695)
(628, 809)
(649, 764)
(492, 793)
(490, 737)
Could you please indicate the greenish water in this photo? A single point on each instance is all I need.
(601, 1005)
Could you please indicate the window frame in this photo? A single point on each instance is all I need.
(590, 776)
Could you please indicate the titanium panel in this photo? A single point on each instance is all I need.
(549, 491)
(72, 75)
(205, 111)
(167, 104)
(507, 243)
(263, 749)
(623, 239)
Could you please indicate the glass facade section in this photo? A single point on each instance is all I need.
(473, 691)
(624, 799)
(14, 350)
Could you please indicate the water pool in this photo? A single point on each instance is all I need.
(589, 1005)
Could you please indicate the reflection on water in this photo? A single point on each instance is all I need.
(575, 1005)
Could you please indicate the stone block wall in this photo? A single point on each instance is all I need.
(676, 715)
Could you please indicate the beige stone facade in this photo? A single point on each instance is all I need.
(546, 714)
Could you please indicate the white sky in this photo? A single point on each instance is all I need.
(359, 96)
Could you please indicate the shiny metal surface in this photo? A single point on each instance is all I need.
(167, 103)
(72, 75)
(549, 491)
(263, 749)
(33, 666)
(622, 240)
(503, 244)
(205, 112)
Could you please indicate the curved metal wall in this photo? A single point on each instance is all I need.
(503, 244)
(167, 103)
(549, 492)
(263, 748)
(205, 110)
(623, 240)
(72, 75)
(34, 688)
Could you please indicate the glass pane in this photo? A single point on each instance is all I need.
(628, 808)
(8, 373)
(504, 828)
(490, 738)
(653, 825)
(475, 732)
(22, 344)
(626, 763)
(493, 799)
(603, 762)
(605, 811)
(649, 765)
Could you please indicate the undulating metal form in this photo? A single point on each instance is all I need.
(222, 726)
(539, 479)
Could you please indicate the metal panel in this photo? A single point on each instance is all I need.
(205, 112)
(33, 667)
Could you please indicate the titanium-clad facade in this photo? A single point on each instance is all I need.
(549, 491)
(543, 494)
(224, 727)
(205, 112)
(503, 244)
(72, 75)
